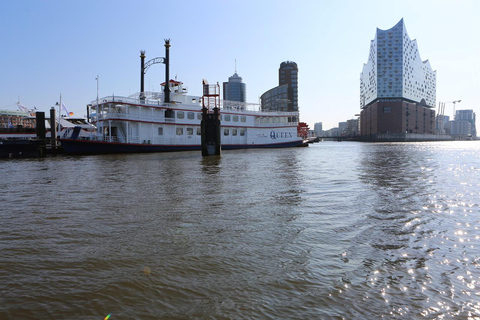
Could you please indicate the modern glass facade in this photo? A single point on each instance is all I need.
(275, 99)
(395, 70)
(285, 96)
(397, 88)
(235, 89)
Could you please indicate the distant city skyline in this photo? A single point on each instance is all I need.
(56, 47)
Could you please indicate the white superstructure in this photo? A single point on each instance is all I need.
(132, 124)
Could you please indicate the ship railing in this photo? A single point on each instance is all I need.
(127, 100)
(250, 108)
(120, 139)
(158, 95)
(133, 117)
(278, 124)
(229, 105)
(225, 105)
(154, 101)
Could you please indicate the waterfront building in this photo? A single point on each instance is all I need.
(460, 129)
(16, 119)
(352, 128)
(288, 75)
(284, 97)
(442, 124)
(464, 116)
(235, 89)
(333, 132)
(275, 99)
(397, 88)
(318, 129)
(342, 127)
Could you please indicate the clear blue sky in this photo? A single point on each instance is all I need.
(59, 47)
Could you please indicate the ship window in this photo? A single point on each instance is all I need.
(234, 132)
(190, 115)
(189, 131)
(226, 117)
(179, 131)
(242, 132)
(199, 116)
(180, 115)
(243, 119)
(235, 118)
(226, 132)
(199, 131)
(160, 131)
(387, 110)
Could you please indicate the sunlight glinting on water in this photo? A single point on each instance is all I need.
(336, 230)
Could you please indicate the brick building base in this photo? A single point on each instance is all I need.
(396, 117)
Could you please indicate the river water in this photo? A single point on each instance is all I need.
(336, 230)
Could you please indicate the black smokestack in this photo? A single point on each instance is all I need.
(142, 74)
(167, 71)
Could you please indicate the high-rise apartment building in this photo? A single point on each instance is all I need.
(464, 124)
(397, 88)
(285, 96)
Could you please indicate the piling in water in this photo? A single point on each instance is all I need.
(210, 127)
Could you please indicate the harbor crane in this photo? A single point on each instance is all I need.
(441, 107)
(441, 113)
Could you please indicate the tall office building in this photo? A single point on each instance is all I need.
(397, 88)
(235, 89)
(285, 96)
(288, 75)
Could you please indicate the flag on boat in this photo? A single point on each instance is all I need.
(21, 107)
(66, 110)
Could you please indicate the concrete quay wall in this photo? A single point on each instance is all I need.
(405, 137)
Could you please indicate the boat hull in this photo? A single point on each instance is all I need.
(79, 146)
(21, 148)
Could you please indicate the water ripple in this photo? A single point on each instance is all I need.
(336, 230)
